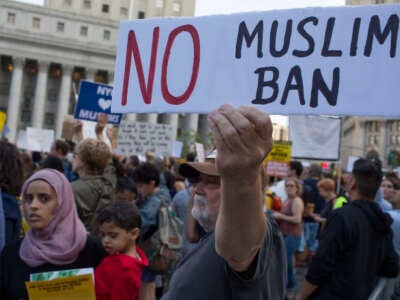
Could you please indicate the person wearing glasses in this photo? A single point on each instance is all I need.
(289, 220)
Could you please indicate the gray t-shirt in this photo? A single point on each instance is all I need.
(203, 274)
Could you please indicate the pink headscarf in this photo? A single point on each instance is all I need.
(61, 241)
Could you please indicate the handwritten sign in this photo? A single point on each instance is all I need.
(177, 147)
(135, 138)
(331, 61)
(72, 287)
(95, 98)
(37, 139)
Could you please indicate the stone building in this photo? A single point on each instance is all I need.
(46, 50)
(363, 135)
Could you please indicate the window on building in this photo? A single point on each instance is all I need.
(36, 22)
(106, 35)
(105, 8)
(68, 2)
(123, 11)
(84, 31)
(11, 18)
(60, 26)
(87, 4)
(141, 15)
(176, 7)
(26, 116)
(159, 3)
(49, 119)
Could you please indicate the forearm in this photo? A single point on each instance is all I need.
(241, 227)
(291, 219)
(306, 290)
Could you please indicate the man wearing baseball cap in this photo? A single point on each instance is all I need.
(242, 256)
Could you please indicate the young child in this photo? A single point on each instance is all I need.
(118, 275)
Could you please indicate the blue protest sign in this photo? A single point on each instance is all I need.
(95, 98)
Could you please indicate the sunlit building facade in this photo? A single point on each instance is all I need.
(46, 50)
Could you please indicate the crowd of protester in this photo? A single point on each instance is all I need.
(82, 206)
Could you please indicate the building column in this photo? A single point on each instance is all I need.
(191, 123)
(14, 102)
(152, 118)
(203, 127)
(40, 95)
(172, 119)
(110, 75)
(130, 117)
(90, 74)
(63, 98)
(382, 141)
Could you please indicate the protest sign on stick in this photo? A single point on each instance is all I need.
(330, 61)
(95, 98)
(135, 138)
(277, 161)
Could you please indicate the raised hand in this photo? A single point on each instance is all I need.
(243, 138)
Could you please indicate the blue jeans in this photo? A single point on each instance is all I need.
(309, 237)
(291, 244)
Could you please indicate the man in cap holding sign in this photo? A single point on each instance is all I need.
(242, 256)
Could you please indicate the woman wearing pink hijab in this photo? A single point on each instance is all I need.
(57, 239)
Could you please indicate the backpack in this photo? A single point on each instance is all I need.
(164, 246)
(273, 201)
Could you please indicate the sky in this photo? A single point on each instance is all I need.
(212, 7)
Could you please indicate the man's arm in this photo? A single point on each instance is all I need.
(243, 138)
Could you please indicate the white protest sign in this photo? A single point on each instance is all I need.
(135, 138)
(315, 137)
(350, 162)
(177, 149)
(200, 152)
(21, 139)
(330, 61)
(39, 139)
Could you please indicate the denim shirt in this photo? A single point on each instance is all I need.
(148, 208)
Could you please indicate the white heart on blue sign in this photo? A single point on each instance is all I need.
(104, 104)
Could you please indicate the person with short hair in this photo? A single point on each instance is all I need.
(52, 162)
(60, 149)
(326, 188)
(125, 190)
(242, 256)
(356, 245)
(118, 275)
(147, 179)
(94, 189)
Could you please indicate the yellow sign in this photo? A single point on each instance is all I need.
(3, 117)
(281, 152)
(73, 287)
